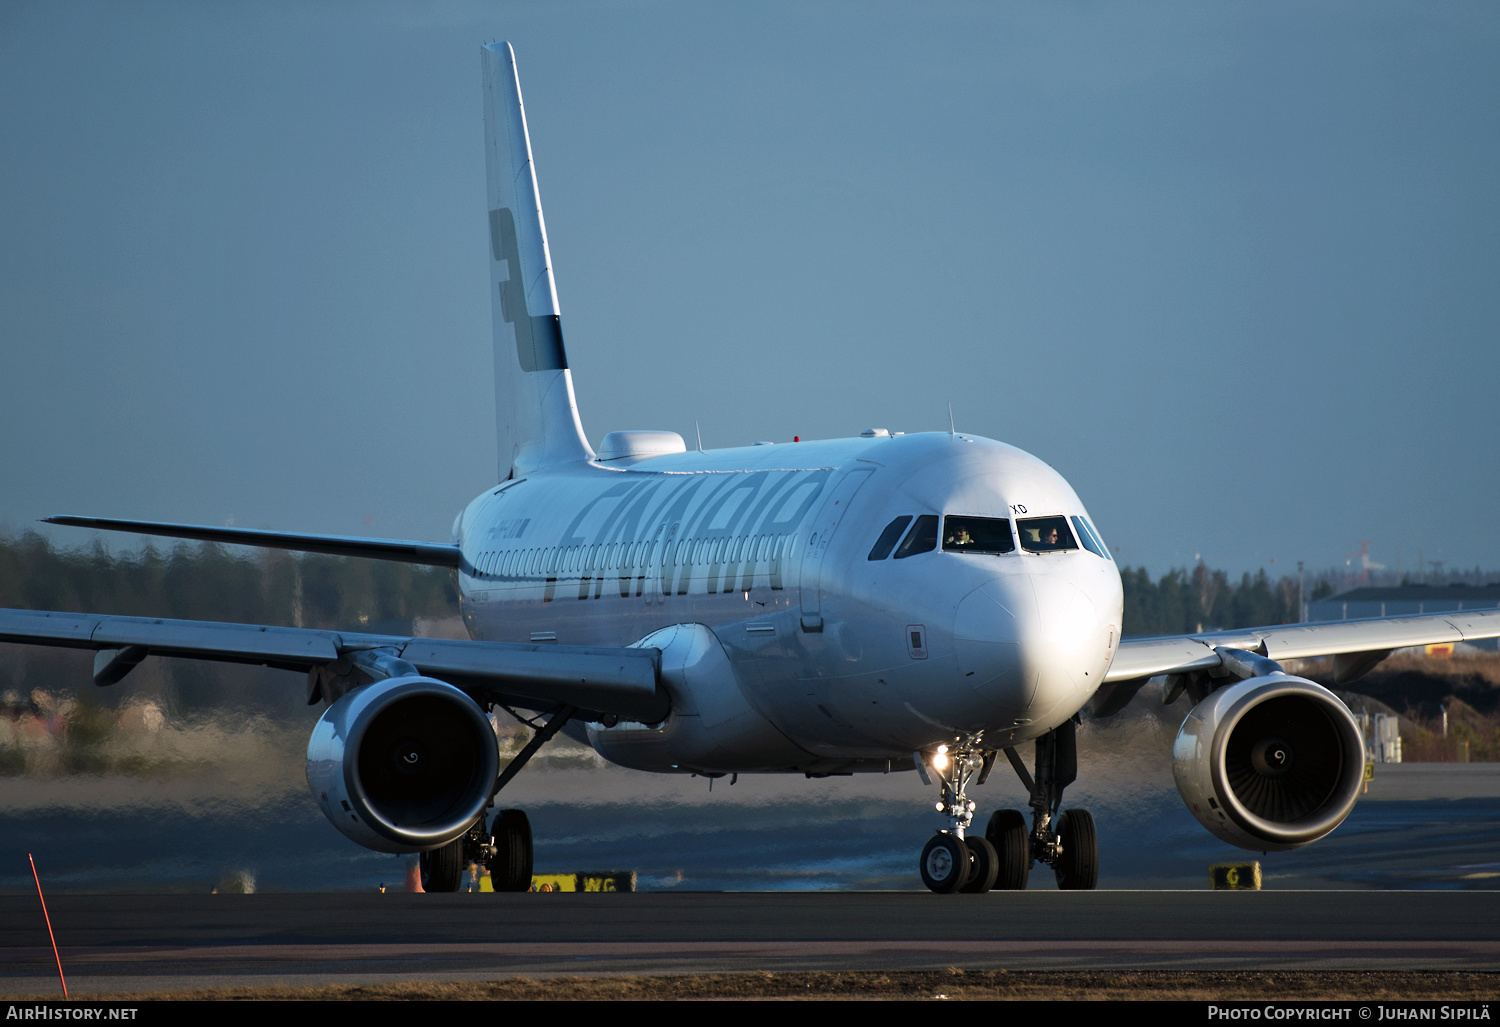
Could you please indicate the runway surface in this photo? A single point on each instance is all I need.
(114, 943)
(1421, 826)
(775, 874)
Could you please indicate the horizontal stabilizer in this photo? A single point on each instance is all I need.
(432, 554)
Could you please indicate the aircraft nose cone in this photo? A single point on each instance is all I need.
(1067, 630)
(1025, 646)
(988, 630)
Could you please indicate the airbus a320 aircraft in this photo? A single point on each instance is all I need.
(924, 602)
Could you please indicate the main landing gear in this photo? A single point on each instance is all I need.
(507, 849)
(954, 862)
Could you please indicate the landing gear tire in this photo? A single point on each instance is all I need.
(1077, 868)
(443, 868)
(510, 867)
(983, 863)
(945, 864)
(1012, 842)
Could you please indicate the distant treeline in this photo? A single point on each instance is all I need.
(1183, 601)
(209, 582)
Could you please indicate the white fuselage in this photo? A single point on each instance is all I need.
(831, 661)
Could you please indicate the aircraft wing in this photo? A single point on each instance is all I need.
(615, 681)
(1356, 645)
(433, 554)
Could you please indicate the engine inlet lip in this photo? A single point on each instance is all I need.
(1338, 805)
(397, 690)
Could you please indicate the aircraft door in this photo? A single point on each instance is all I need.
(810, 581)
(652, 565)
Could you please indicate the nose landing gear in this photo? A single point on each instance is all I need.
(950, 861)
(1002, 858)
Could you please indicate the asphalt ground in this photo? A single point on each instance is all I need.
(1169, 995)
(777, 878)
(1421, 826)
(134, 943)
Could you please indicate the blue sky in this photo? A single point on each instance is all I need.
(1232, 268)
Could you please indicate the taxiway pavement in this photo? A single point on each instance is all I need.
(148, 942)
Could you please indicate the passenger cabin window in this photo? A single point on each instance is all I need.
(888, 538)
(921, 539)
(977, 535)
(1046, 535)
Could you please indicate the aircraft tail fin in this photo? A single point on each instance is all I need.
(536, 413)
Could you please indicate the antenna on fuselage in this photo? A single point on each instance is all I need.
(699, 432)
(951, 430)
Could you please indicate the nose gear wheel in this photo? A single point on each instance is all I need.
(945, 864)
(983, 865)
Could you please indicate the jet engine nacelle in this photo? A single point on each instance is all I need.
(1270, 763)
(403, 765)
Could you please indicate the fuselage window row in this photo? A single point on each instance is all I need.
(644, 557)
(984, 535)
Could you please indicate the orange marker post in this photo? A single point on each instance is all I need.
(47, 918)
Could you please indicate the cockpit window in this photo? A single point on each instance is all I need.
(921, 539)
(1098, 538)
(887, 540)
(977, 535)
(1087, 537)
(1046, 535)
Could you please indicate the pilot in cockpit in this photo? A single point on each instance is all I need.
(958, 539)
(1044, 537)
